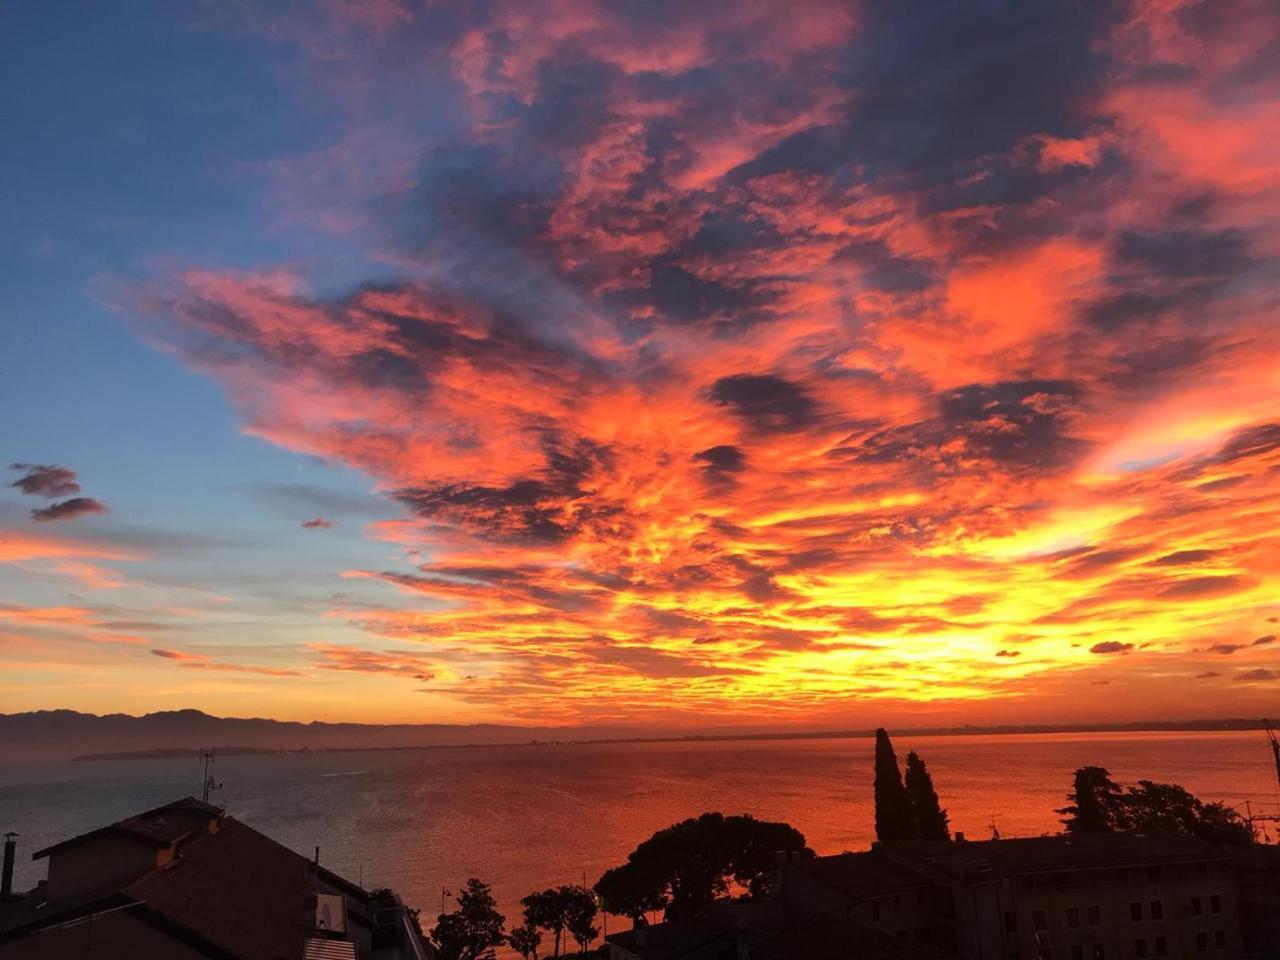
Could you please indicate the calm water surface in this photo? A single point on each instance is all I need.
(522, 818)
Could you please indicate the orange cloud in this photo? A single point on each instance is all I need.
(197, 661)
(770, 364)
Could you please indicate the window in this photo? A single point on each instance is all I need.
(919, 898)
(1095, 916)
(1153, 874)
(1073, 917)
(1077, 952)
(1099, 952)
(1202, 941)
(1135, 912)
(875, 911)
(1197, 906)
(897, 904)
(1008, 922)
(1162, 946)
(1046, 953)
(1040, 920)
(1220, 938)
(1140, 947)
(1157, 909)
(1215, 904)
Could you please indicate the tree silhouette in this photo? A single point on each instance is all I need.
(545, 909)
(579, 916)
(473, 930)
(1096, 805)
(687, 865)
(1100, 806)
(931, 820)
(633, 891)
(1168, 808)
(525, 940)
(894, 818)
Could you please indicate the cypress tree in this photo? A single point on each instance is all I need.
(1096, 803)
(893, 807)
(931, 819)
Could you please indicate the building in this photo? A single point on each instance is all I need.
(186, 881)
(753, 930)
(1071, 897)
(1257, 871)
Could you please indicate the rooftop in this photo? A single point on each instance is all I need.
(227, 892)
(1053, 853)
(865, 874)
(162, 826)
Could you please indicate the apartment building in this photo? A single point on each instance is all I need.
(1111, 897)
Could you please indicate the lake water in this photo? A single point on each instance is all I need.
(523, 818)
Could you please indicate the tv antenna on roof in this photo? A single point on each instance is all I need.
(206, 756)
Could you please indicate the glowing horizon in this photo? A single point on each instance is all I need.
(721, 365)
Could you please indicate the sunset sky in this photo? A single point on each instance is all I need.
(710, 364)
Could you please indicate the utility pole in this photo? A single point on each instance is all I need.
(206, 756)
(1263, 818)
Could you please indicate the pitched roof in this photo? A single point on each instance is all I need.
(161, 826)
(668, 941)
(824, 937)
(858, 875)
(233, 891)
(236, 888)
(1055, 853)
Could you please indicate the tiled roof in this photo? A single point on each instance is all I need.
(668, 941)
(858, 875)
(236, 888)
(161, 826)
(1055, 853)
(229, 892)
(828, 938)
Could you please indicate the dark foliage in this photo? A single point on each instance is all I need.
(1100, 806)
(684, 867)
(1095, 805)
(931, 820)
(561, 910)
(895, 819)
(525, 940)
(474, 930)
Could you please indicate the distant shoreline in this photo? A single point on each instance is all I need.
(1153, 726)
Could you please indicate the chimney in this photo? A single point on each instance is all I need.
(6, 873)
(959, 836)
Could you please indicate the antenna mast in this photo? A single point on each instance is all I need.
(1275, 747)
(1263, 818)
(207, 757)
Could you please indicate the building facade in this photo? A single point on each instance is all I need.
(185, 881)
(1113, 897)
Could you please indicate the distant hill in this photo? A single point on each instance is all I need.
(67, 734)
(64, 734)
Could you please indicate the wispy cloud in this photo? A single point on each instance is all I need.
(69, 509)
(779, 359)
(44, 480)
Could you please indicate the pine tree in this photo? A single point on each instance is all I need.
(931, 819)
(1097, 805)
(473, 930)
(894, 820)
